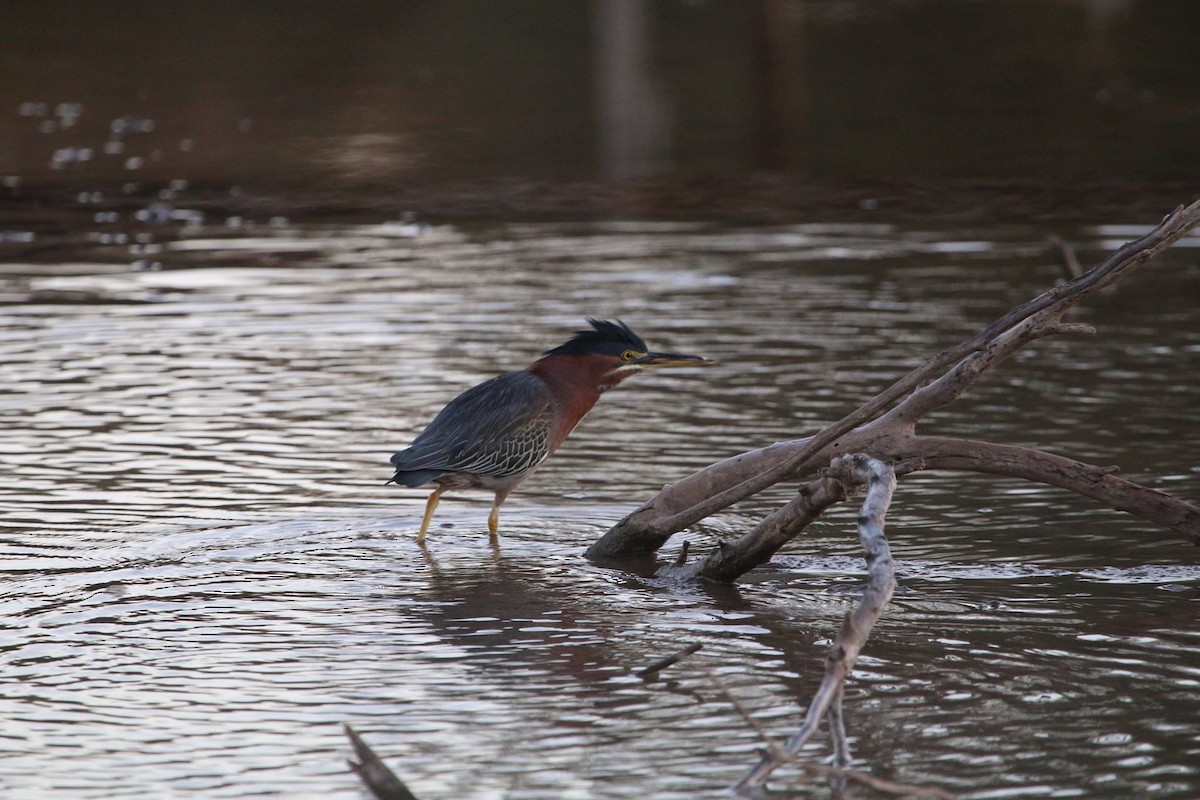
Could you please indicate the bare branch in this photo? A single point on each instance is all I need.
(773, 748)
(658, 666)
(856, 626)
(724, 483)
(1098, 483)
(909, 453)
(837, 729)
(732, 559)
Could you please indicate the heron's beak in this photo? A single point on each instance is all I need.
(656, 360)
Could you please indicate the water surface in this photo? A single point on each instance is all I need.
(204, 575)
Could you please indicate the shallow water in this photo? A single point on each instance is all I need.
(204, 575)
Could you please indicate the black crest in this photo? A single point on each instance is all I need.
(605, 337)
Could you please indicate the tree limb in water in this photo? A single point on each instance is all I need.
(826, 704)
(885, 427)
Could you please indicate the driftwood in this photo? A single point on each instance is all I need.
(885, 428)
(850, 471)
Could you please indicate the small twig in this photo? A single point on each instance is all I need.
(1066, 257)
(374, 774)
(663, 663)
(681, 559)
(772, 747)
(837, 730)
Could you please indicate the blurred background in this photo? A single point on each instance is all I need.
(670, 108)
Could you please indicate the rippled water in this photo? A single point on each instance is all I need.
(204, 575)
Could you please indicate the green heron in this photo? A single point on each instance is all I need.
(492, 436)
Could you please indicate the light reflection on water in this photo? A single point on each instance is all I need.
(204, 575)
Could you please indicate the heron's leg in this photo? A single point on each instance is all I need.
(429, 509)
(494, 519)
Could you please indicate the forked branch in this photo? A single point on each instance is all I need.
(890, 418)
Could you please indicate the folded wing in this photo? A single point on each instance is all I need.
(500, 428)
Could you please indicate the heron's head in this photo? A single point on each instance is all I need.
(613, 350)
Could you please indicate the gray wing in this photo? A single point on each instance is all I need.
(499, 428)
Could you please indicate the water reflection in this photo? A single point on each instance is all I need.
(401, 93)
(204, 574)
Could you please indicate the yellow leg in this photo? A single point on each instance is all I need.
(429, 509)
(494, 520)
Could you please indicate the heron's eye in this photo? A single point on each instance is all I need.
(628, 355)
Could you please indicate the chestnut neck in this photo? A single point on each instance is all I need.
(576, 383)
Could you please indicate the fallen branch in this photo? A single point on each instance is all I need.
(909, 453)
(652, 670)
(1096, 482)
(826, 703)
(875, 429)
(730, 559)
